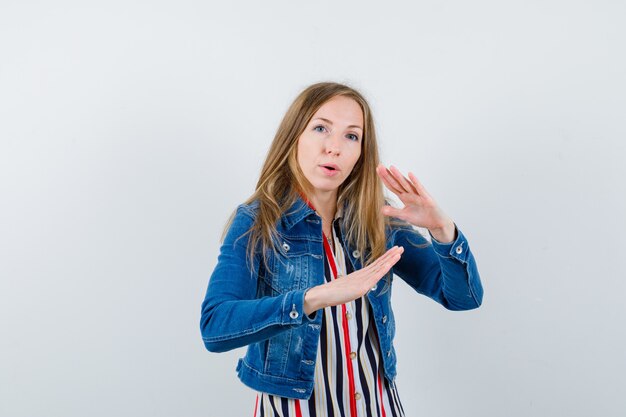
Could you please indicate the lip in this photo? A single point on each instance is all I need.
(330, 165)
(329, 172)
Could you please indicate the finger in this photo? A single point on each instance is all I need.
(393, 257)
(382, 271)
(393, 178)
(404, 183)
(418, 185)
(388, 179)
(377, 264)
(414, 184)
(388, 254)
(383, 267)
(374, 266)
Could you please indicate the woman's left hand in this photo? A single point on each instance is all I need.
(420, 209)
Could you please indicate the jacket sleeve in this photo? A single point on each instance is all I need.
(232, 315)
(445, 272)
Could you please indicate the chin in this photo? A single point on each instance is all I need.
(325, 185)
(325, 188)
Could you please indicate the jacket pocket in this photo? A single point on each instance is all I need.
(288, 265)
(278, 353)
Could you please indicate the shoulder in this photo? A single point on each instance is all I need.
(250, 207)
(241, 221)
(247, 209)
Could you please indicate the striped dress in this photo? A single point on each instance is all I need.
(349, 376)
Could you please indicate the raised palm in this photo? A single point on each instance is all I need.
(420, 209)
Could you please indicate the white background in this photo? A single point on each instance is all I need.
(130, 130)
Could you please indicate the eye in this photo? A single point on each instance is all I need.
(353, 137)
(319, 126)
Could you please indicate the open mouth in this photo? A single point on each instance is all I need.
(330, 167)
(329, 170)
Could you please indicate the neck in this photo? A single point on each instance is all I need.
(325, 204)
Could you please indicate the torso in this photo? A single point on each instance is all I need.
(349, 375)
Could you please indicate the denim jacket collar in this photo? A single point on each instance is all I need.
(300, 210)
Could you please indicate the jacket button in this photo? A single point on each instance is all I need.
(384, 319)
(356, 254)
(352, 355)
(285, 246)
(459, 249)
(294, 313)
(357, 396)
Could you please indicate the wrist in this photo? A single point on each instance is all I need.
(445, 233)
(312, 300)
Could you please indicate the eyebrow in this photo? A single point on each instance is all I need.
(329, 122)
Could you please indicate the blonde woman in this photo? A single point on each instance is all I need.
(306, 265)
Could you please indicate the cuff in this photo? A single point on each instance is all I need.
(457, 249)
(293, 309)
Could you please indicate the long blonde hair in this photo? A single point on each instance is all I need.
(281, 180)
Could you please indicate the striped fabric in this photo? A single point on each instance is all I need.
(349, 379)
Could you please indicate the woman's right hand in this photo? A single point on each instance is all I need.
(352, 286)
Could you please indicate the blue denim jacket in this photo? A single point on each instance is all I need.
(261, 305)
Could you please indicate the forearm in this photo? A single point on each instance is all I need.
(231, 324)
(445, 272)
(461, 288)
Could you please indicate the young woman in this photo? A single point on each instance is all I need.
(305, 269)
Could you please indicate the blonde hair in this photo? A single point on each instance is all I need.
(281, 180)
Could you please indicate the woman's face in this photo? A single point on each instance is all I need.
(330, 145)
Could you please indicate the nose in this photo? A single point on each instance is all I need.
(333, 144)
